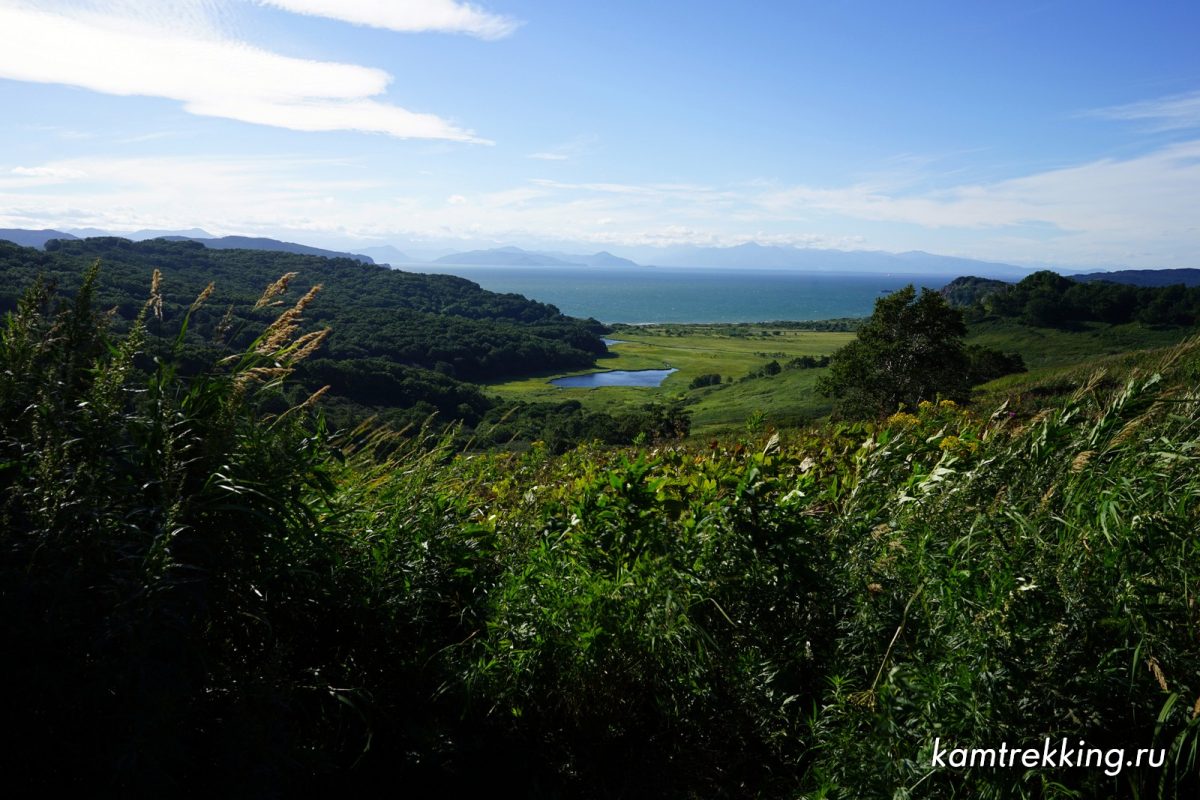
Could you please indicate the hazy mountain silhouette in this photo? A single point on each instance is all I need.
(32, 238)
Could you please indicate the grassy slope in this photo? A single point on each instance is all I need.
(1060, 361)
(1052, 347)
(785, 400)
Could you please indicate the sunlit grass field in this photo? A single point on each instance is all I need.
(695, 350)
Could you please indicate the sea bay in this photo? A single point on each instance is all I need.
(687, 294)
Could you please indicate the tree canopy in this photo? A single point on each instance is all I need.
(911, 349)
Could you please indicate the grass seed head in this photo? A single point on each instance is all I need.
(1080, 461)
(279, 333)
(1156, 670)
(275, 289)
(307, 344)
(155, 302)
(204, 295)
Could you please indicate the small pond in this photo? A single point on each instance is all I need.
(611, 342)
(616, 377)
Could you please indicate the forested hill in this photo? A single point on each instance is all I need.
(400, 342)
(433, 321)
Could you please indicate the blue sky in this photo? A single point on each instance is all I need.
(1035, 132)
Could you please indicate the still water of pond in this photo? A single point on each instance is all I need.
(616, 377)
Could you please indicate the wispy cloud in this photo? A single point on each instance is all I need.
(210, 74)
(1146, 193)
(407, 15)
(566, 151)
(1174, 112)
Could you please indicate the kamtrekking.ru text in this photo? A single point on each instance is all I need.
(1051, 755)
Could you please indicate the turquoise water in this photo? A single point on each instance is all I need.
(615, 377)
(679, 294)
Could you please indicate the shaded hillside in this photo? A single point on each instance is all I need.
(274, 245)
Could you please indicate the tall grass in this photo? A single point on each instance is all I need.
(1036, 579)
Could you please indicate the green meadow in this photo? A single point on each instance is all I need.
(1056, 347)
(733, 352)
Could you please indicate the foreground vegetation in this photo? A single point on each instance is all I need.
(205, 591)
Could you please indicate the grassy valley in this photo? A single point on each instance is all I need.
(734, 353)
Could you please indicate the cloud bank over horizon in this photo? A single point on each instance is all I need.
(1090, 213)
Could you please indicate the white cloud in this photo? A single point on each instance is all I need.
(456, 200)
(1164, 113)
(211, 76)
(406, 15)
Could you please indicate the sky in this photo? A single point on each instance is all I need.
(1062, 133)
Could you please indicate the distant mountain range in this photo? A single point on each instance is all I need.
(601, 259)
(142, 235)
(387, 254)
(745, 256)
(516, 257)
(757, 256)
(28, 238)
